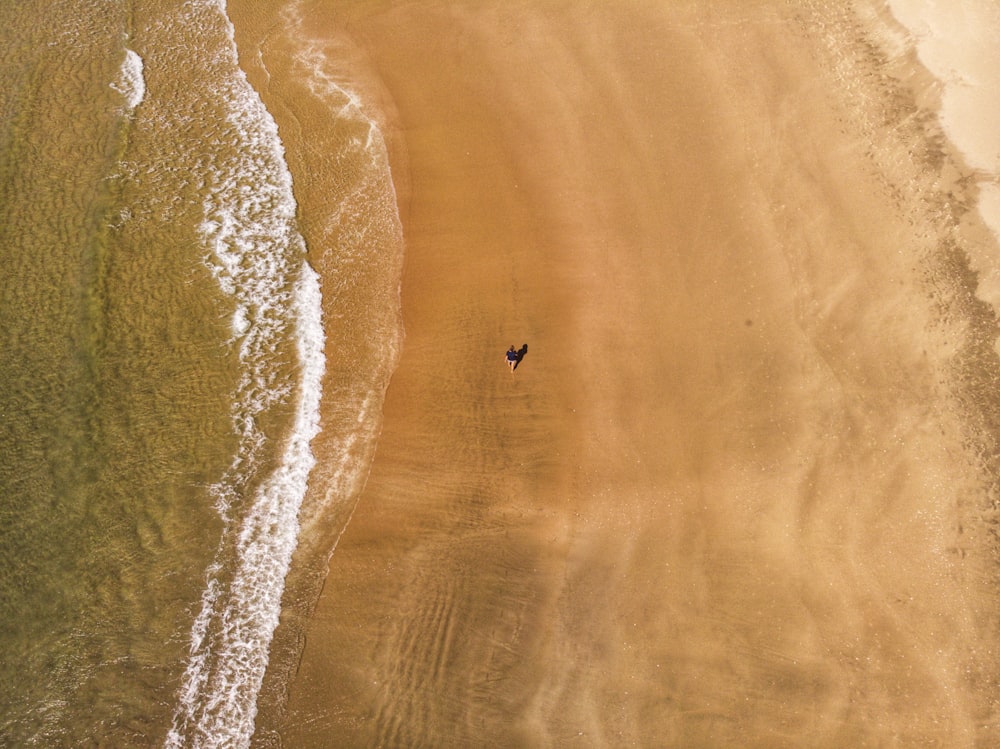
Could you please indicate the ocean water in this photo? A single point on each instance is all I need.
(165, 337)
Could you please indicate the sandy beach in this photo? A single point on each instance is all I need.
(726, 498)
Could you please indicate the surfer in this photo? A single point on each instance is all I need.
(512, 358)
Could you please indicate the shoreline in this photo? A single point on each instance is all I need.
(727, 473)
(347, 211)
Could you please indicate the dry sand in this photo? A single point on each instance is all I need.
(721, 502)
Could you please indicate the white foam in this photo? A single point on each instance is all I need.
(258, 258)
(130, 82)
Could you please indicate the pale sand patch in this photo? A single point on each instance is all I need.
(719, 502)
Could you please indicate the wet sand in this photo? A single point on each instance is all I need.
(724, 499)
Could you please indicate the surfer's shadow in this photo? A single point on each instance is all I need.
(521, 353)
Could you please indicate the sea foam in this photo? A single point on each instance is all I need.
(130, 82)
(257, 257)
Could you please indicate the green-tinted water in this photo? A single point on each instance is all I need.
(115, 392)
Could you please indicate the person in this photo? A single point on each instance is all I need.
(512, 358)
